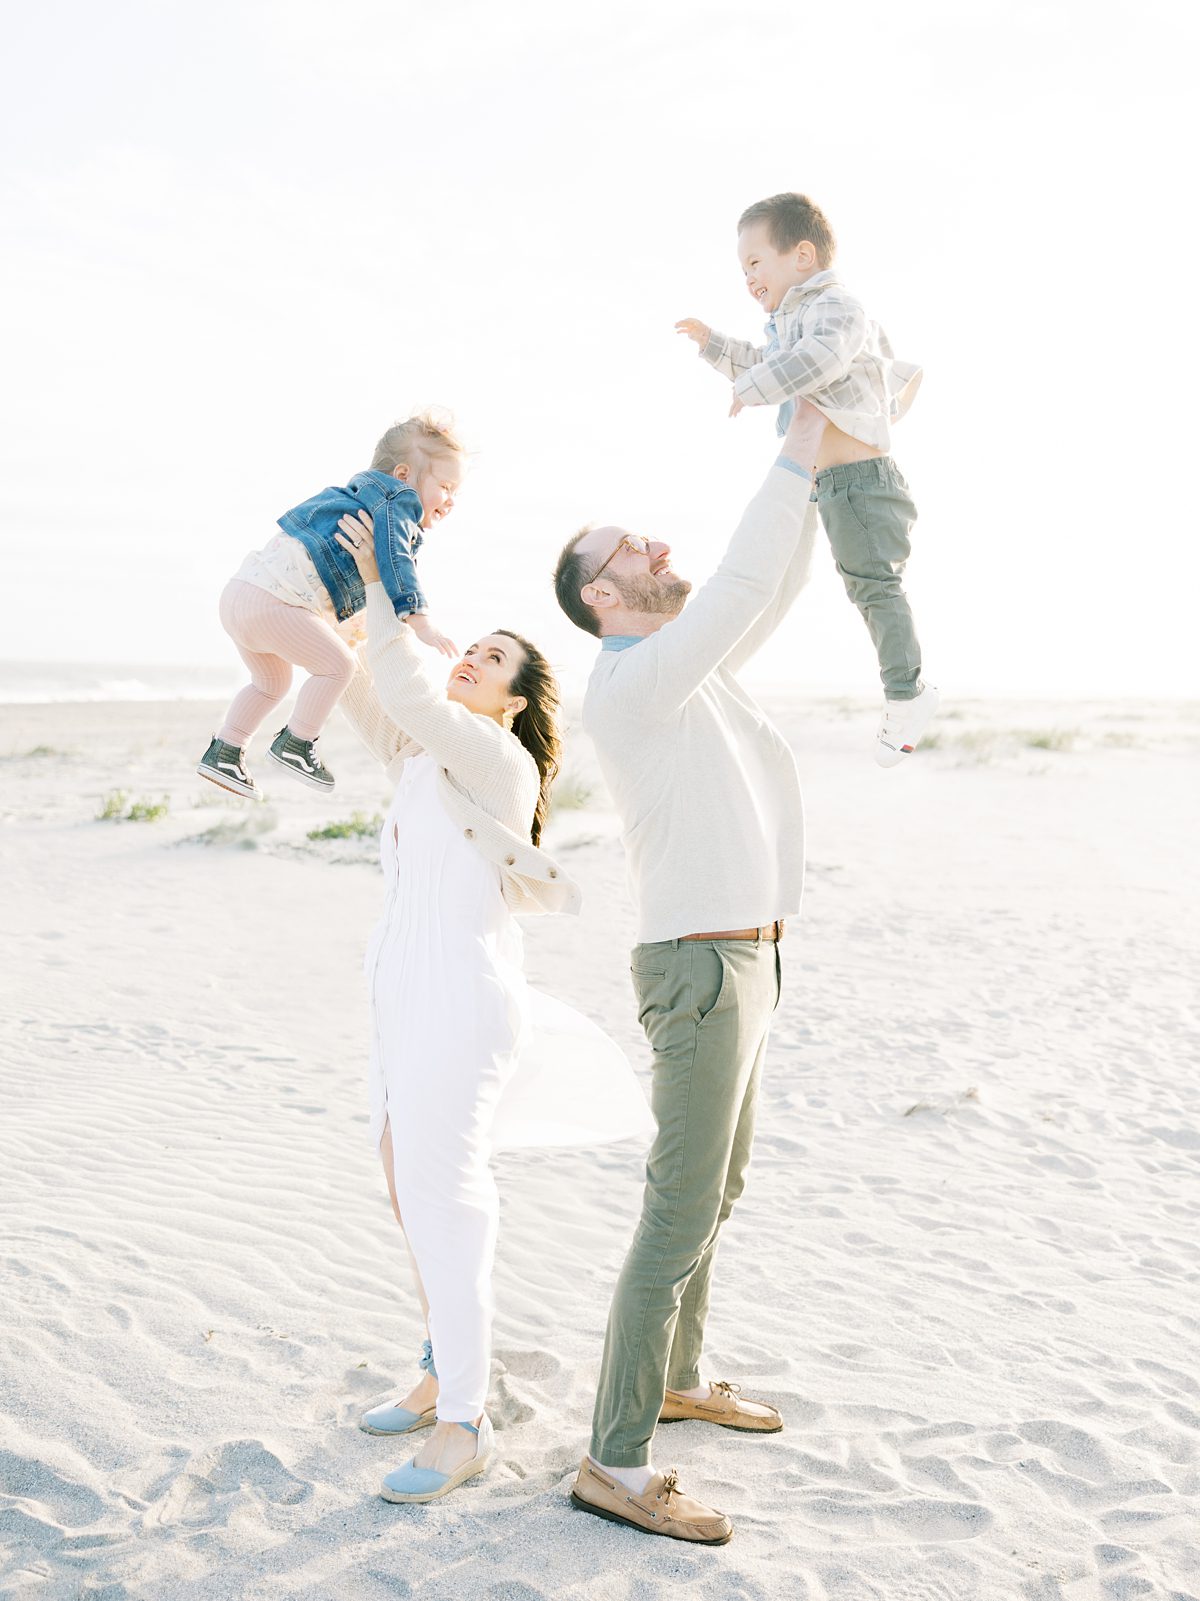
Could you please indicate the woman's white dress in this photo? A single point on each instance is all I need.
(466, 1056)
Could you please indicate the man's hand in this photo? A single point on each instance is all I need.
(736, 406)
(419, 622)
(694, 329)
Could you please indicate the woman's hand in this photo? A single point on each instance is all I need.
(357, 535)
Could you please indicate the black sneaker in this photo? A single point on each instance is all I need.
(223, 764)
(299, 757)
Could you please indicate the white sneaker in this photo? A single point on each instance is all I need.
(902, 724)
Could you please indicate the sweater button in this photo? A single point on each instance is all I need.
(468, 833)
(510, 861)
(554, 872)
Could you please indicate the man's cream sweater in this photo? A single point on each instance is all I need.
(706, 787)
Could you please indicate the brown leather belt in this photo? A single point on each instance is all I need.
(769, 931)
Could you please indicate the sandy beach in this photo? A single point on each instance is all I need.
(966, 1267)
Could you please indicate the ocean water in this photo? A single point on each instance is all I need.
(44, 683)
(48, 683)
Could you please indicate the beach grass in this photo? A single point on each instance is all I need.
(357, 826)
(237, 833)
(573, 791)
(1050, 738)
(116, 807)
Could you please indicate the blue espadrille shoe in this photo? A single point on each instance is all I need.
(398, 1419)
(411, 1483)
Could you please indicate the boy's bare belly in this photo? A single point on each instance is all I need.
(837, 448)
(825, 445)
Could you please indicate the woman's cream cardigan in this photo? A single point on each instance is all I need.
(488, 782)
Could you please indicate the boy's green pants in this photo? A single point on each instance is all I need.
(868, 514)
(706, 1007)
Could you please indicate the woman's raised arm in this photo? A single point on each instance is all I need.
(469, 746)
(382, 737)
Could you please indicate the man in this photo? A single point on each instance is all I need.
(713, 827)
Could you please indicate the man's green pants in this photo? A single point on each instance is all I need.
(706, 1006)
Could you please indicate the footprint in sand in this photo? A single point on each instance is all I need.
(68, 1504)
(505, 1408)
(119, 1315)
(920, 1519)
(224, 1478)
(536, 1365)
(38, 1532)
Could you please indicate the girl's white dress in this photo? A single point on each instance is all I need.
(465, 1057)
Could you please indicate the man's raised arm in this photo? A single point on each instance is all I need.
(670, 665)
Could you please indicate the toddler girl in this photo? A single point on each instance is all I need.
(298, 601)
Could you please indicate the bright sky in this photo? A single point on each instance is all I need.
(242, 238)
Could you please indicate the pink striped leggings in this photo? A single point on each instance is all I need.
(270, 636)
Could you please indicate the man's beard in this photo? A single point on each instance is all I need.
(642, 593)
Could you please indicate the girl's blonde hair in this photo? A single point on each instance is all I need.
(426, 434)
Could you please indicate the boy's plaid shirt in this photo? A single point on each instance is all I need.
(822, 345)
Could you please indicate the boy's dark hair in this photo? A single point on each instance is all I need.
(571, 573)
(789, 219)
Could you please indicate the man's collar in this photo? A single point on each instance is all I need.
(620, 641)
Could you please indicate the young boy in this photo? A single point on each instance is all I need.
(297, 601)
(822, 349)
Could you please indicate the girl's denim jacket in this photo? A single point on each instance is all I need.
(397, 512)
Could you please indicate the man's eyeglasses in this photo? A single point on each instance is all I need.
(634, 542)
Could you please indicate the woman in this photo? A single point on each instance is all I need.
(452, 1068)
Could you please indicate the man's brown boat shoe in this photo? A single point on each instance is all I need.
(721, 1406)
(661, 1508)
